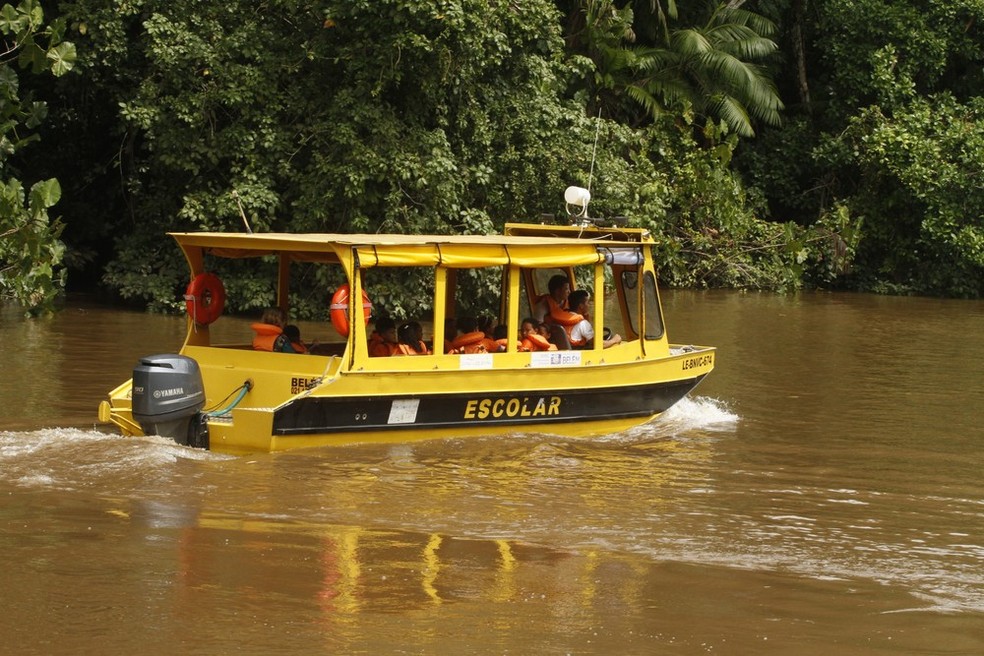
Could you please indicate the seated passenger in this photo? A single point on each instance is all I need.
(411, 339)
(293, 333)
(470, 339)
(531, 339)
(487, 325)
(553, 307)
(269, 332)
(449, 333)
(501, 337)
(582, 334)
(549, 333)
(383, 341)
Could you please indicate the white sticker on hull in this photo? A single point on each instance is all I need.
(403, 411)
(475, 361)
(555, 358)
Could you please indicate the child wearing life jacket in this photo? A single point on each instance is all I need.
(411, 339)
(383, 341)
(531, 339)
(553, 307)
(269, 332)
(488, 325)
(293, 333)
(470, 339)
(582, 334)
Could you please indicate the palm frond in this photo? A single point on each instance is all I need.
(690, 43)
(733, 113)
(737, 16)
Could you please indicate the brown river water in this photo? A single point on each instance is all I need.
(822, 492)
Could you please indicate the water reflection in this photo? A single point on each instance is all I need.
(820, 492)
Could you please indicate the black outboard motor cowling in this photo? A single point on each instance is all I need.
(168, 394)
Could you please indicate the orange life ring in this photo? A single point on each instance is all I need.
(205, 298)
(340, 306)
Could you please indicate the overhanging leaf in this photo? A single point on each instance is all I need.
(62, 58)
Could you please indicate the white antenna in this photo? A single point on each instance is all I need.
(579, 197)
(594, 149)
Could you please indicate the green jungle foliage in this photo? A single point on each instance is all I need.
(30, 248)
(883, 140)
(775, 144)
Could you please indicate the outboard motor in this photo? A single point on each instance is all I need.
(167, 398)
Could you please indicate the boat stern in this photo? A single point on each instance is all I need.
(118, 410)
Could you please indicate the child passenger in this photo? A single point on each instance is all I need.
(383, 341)
(531, 337)
(293, 333)
(411, 337)
(269, 332)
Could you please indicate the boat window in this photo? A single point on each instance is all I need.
(654, 318)
(251, 285)
(541, 279)
(630, 296)
(311, 285)
(400, 292)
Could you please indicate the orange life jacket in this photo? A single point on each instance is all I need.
(491, 346)
(410, 349)
(536, 342)
(266, 336)
(557, 313)
(380, 349)
(470, 343)
(404, 349)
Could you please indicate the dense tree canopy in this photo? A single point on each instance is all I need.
(30, 248)
(887, 130)
(769, 144)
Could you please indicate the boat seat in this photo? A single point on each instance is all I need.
(558, 337)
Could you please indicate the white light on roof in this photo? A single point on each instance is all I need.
(579, 197)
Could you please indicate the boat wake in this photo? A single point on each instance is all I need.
(689, 416)
(699, 413)
(75, 459)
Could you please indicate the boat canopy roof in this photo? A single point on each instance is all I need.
(455, 251)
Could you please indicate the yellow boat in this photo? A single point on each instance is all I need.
(231, 398)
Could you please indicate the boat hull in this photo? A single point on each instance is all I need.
(291, 406)
(493, 412)
(331, 421)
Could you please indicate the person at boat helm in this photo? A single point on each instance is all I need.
(269, 332)
(383, 340)
(553, 307)
(581, 334)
